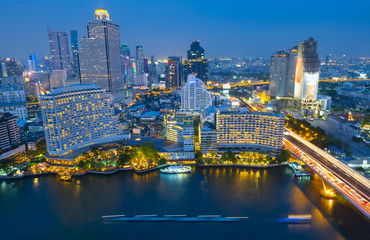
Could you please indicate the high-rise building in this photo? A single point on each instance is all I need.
(278, 74)
(240, 130)
(9, 132)
(153, 77)
(194, 95)
(292, 62)
(100, 62)
(59, 50)
(74, 47)
(196, 62)
(307, 78)
(181, 130)
(78, 116)
(282, 73)
(13, 101)
(140, 68)
(174, 72)
(58, 78)
(125, 58)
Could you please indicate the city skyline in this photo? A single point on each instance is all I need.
(245, 32)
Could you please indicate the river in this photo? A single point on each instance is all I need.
(46, 208)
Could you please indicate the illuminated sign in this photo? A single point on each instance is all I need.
(310, 81)
(298, 70)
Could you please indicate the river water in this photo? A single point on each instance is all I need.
(46, 208)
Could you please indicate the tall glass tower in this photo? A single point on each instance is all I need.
(74, 47)
(59, 50)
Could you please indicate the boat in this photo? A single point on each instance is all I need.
(302, 218)
(176, 169)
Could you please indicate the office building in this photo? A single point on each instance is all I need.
(174, 72)
(78, 116)
(140, 68)
(13, 101)
(100, 62)
(278, 74)
(125, 55)
(141, 80)
(59, 50)
(292, 62)
(196, 63)
(194, 95)
(240, 130)
(74, 47)
(9, 132)
(307, 78)
(181, 130)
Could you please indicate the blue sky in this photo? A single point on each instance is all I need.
(165, 27)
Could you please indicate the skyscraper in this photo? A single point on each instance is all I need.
(196, 62)
(59, 50)
(78, 116)
(194, 95)
(100, 62)
(74, 47)
(139, 60)
(292, 62)
(278, 74)
(174, 72)
(307, 78)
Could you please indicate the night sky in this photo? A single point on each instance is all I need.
(232, 28)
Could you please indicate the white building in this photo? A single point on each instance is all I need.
(13, 100)
(78, 116)
(194, 95)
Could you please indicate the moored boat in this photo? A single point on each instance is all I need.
(176, 169)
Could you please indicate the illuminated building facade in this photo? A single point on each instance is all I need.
(59, 50)
(181, 130)
(240, 130)
(173, 72)
(196, 63)
(77, 116)
(307, 78)
(194, 95)
(100, 62)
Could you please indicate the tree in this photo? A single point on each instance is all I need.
(162, 161)
(149, 151)
(283, 157)
(124, 159)
(199, 157)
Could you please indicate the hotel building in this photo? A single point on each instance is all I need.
(78, 116)
(100, 60)
(240, 130)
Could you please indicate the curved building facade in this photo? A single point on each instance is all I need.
(240, 130)
(194, 95)
(78, 116)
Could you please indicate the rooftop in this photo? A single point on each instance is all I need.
(73, 88)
